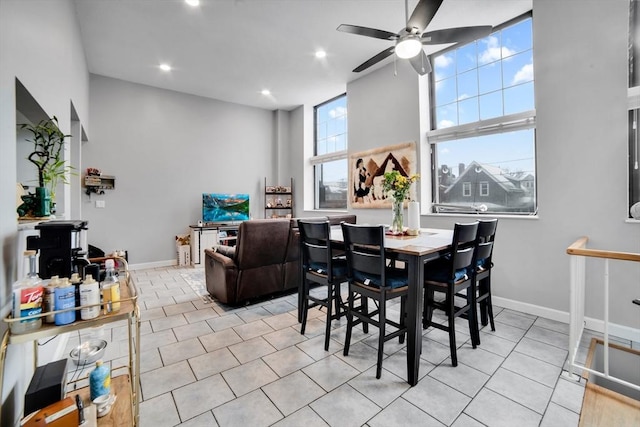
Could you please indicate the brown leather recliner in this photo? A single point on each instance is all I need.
(254, 267)
(265, 260)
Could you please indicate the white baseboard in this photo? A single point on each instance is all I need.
(597, 325)
(155, 264)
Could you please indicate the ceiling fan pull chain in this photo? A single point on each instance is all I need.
(395, 66)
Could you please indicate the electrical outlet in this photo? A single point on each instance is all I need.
(100, 204)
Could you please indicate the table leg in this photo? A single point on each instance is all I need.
(414, 319)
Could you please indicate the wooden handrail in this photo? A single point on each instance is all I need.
(579, 248)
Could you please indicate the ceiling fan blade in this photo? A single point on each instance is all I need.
(421, 63)
(456, 35)
(423, 14)
(368, 32)
(374, 60)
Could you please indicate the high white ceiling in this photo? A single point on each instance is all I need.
(232, 49)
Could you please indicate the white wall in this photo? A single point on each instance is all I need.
(165, 149)
(39, 45)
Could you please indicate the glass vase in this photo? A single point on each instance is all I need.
(397, 216)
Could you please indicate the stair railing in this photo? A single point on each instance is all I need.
(579, 253)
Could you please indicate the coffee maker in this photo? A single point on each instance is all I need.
(63, 247)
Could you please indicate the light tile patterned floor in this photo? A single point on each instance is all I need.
(206, 364)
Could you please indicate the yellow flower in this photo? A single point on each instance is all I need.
(397, 184)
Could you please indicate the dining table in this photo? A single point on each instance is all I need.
(415, 251)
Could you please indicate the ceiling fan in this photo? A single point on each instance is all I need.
(409, 40)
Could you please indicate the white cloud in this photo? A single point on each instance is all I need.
(444, 151)
(463, 97)
(493, 51)
(445, 124)
(337, 112)
(443, 61)
(524, 74)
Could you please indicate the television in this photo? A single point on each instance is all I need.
(219, 207)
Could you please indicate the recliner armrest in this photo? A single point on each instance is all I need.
(224, 257)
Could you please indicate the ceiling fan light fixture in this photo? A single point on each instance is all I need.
(408, 46)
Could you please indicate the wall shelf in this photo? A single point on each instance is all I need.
(278, 200)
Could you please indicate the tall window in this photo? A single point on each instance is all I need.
(483, 124)
(634, 103)
(330, 156)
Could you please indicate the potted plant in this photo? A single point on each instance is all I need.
(48, 143)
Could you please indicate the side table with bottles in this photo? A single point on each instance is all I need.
(125, 409)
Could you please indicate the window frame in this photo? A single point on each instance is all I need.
(318, 160)
(466, 189)
(524, 120)
(481, 186)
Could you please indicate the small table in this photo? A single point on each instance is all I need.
(416, 251)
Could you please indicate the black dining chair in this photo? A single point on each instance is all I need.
(322, 267)
(370, 277)
(450, 275)
(484, 265)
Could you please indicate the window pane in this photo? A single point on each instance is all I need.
(489, 49)
(444, 66)
(519, 98)
(447, 116)
(491, 105)
(634, 159)
(517, 38)
(490, 77)
(505, 162)
(468, 110)
(331, 184)
(468, 84)
(518, 69)
(446, 91)
(467, 57)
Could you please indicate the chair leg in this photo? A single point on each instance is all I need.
(364, 303)
(472, 316)
(427, 313)
(347, 340)
(382, 320)
(490, 311)
(403, 316)
(330, 300)
(452, 328)
(482, 289)
(304, 307)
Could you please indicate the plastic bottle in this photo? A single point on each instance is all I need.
(27, 298)
(65, 298)
(76, 281)
(111, 286)
(48, 300)
(99, 380)
(89, 295)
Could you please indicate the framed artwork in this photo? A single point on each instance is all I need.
(367, 169)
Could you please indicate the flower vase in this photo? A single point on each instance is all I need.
(397, 216)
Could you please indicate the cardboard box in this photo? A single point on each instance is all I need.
(184, 255)
(60, 414)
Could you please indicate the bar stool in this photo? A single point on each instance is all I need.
(369, 277)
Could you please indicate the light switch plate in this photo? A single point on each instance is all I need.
(100, 204)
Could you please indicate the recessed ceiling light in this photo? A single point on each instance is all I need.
(165, 67)
(320, 53)
(193, 3)
(266, 92)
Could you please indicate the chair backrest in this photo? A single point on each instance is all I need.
(486, 237)
(364, 246)
(261, 242)
(315, 245)
(463, 248)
